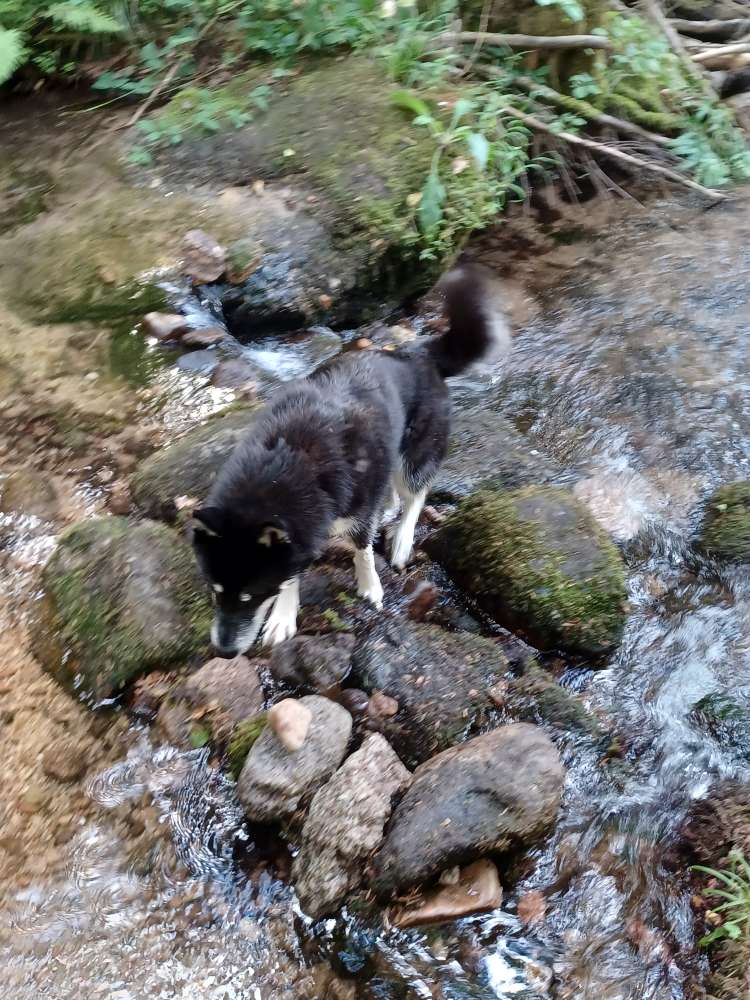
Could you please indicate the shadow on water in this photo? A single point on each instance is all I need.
(632, 372)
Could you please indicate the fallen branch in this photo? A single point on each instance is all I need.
(615, 154)
(711, 31)
(593, 114)
(722, 50)
(155, 93)
(529, 41)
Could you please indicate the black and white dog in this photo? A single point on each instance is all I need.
(324, 458)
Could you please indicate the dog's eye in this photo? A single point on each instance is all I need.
(246, 597)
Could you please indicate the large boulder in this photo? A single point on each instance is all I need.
(275, 782)
(336, 240)
(726, 526)
(498, 792)
(187, 467)
(439, 680)
(537, 561)
(120, 599)
(345, 825)
(487, 450)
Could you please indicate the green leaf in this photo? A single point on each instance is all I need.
(431, 202)
(408, 101)
(12, 52)
(140, 156)
(199, 736)
(479, 148)
(83, 17)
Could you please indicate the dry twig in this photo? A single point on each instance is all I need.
(613, 153)
(528, 41)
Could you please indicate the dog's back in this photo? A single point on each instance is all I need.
(327, 452)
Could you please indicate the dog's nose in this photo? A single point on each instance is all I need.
(225, 652)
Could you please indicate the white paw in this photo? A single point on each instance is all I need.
(372, 593)
(401, 551)
(278, 628)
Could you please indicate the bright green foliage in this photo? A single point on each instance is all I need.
(49, 33)
(12, 52)
(571, 8)
(481, 155)
(734, 892)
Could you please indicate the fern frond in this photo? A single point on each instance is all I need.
(12, 52)
(83, 17)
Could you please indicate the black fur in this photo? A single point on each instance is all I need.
(330, 447)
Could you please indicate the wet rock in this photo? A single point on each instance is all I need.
(204, 260)
(438, 679)
(289, 720)
(236, 374)
(120, 500)
(187, 467)
(230, 689)
(274, 783)
(381, 706)
(487, 450)
(198, 362)
(164, 326)
(29, 492)
(422, 599)
(496, 793)
(727, 721)
(532, 908)
(120, 599)
(476, 890)
(345, 825)
(204, 336)
(334, 247)
(355, 701)
(536, 695)
(312, 663)
(726, 526)
(536, 560)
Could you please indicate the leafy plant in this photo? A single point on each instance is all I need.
(571, 8)
(46, 32)
(735, 893)
(481, 153)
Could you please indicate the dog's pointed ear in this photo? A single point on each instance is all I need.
(272, 534)
(206, 522)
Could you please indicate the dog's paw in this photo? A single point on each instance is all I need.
(278, 629)
(373, 593)
(401, 551)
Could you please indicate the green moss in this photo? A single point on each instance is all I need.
(241, 741)
(537, 560)
(658, 121)
(726, 526)
(122, 598)
(535, 694)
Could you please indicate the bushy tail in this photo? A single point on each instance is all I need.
(477, 330)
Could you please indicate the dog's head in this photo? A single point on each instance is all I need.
(245, 563)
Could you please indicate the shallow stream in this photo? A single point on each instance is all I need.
(631, 368)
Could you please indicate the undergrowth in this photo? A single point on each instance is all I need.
(732, 889)
(189, 53)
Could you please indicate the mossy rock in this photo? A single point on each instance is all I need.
(120, 599)
(187, 467)
(536, 560)
(332, 130)
(536, 695)
(726, 526)
(726, 721)
(242, 740)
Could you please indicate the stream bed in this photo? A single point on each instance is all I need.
(631, 370)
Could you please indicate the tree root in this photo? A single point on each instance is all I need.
(613, 153)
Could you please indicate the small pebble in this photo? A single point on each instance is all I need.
(382, 706)
(290, 720)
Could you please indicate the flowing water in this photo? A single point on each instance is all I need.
(631, 368)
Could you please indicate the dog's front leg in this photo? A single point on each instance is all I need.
(282, 622)
(368, 581)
